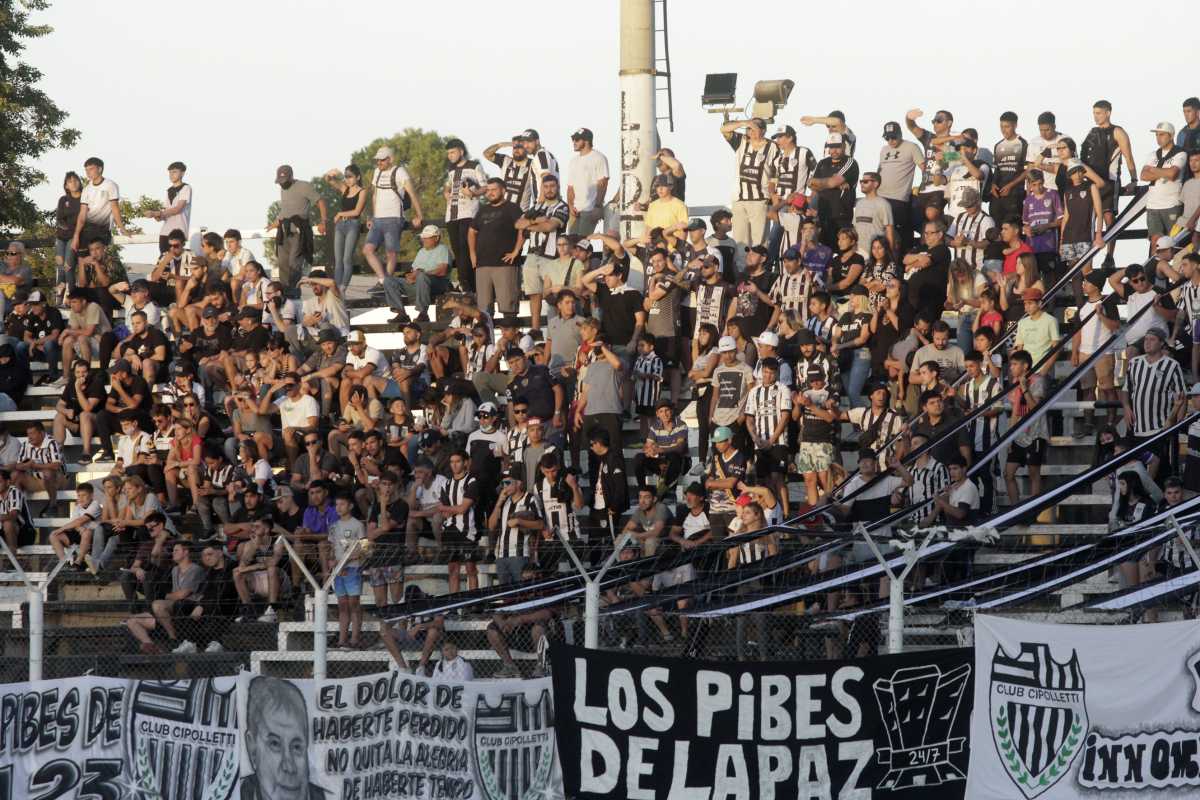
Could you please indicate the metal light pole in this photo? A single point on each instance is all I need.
(639, 137)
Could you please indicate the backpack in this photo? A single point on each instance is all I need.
(405, 200)
(1098, 148)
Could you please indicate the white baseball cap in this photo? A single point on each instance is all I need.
(356, 337)
(1164, 127)
(430, 232)
(383, 152)
(726, 344)
(769, 338)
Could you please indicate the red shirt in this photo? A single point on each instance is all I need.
(1010, 260)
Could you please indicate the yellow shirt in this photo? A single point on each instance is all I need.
(665, 213)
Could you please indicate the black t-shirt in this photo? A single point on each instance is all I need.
(837, 203)
(144, 344)
(93, 389)
(398, 517)
(536, 387)
(137, 386)
(289, 522)
(947, 449)
(42, 327)
(204, 345)
(927, 287)
(839, 269)
(852, 326)
(495, 235)
(618, 309)
(255, 340)
(752, 309)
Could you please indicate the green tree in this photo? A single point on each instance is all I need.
(30, 122)
(422, 153)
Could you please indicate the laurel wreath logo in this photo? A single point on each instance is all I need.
(1052, 772)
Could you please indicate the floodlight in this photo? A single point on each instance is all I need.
(720, 89)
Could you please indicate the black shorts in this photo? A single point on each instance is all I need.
(183, 608)
(669, 350)
(1108, 195)
(26, 536)
(1161, 450)
(772, 460)
(1032, 456)
(687, 319)
(458, 549)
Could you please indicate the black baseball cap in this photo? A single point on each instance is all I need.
(892, 131)
(328, 335)
(530, 133)
(697, 224)
(582, 133)
(250, 313)
(210, 313)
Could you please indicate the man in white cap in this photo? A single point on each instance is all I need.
(428, 280)
(1163, 170)
(391, 189)
(767, 346)
(731, 382)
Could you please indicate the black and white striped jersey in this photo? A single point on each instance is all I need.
(456, 492)
(1189, 301)
(983, 431)
(477, 356)
(545, 243)
(764, 405)
(518, 440)
(791, 290)
(557, 499)
(754, 167)
(544, 163)
(792, 170)
(48, 452)
(1153, 389)
(514, 542)
(14, 500)
(876, 430)
(973, 228)
(518, 180)
(219, 477)
(928, 481)
(470, 175)
(647, 379)
(823, 329)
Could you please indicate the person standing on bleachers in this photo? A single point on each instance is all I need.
(294, 237)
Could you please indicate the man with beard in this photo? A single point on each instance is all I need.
(293, 238)
(517, 171)
(462, 190)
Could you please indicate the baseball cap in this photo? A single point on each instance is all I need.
(210, 313)
(534, 421)
(744, 499)
(20, 298)
(582, 133)
(805, 336)
(356, 337)
(792, 253)
(250, 313)
(180, 368)
(835, 139)
(1032, 293)
(815, 373)
(662, 179)
(769, 338)
(727, 344)
(786, 130)
(121, 365)
(328, 335)
(892, 131)
(1157, 330)
(722, 434)
(697, 224)
(284, 173)
(1164, 127)
(969, 198)
(318, 273)
(530, 133)
(411, 324)
(1073, 165)
(35, 297)
(487, 408)
(430, 231)
(383, 152)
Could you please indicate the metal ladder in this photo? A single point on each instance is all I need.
(662, 67)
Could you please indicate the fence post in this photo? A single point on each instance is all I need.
(321, 607)
(36, 629)
(896, 582)
(591, 588)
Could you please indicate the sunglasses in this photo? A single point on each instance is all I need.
(939, 120)
(12, 253)
(186, 405)
(312, 441)
(520, 411)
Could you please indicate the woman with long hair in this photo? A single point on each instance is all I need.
(347, 221)
(65, 216)
(1131, 505)
(704, 361)
(848, 265)
(1027, 276)
(851, 345)
(962, 295)
(747, 353)
(880, 270)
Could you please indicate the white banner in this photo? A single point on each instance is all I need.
(1075, 711)
(252, 737)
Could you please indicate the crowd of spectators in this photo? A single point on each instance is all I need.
(229, 408)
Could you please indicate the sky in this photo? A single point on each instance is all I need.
(234, 89)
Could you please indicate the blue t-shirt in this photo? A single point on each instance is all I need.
(427, 260)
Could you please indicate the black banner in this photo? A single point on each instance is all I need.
(657, 728)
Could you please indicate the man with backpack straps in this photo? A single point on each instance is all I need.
(1164, 172)
(391, 193)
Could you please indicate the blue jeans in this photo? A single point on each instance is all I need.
(774, 242)
(65, 272)
(345, 239)
(965, 338)
(51, 351)
(386, 231)
(6, 403)
(860, 370)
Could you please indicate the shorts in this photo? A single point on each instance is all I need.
(772, 460)
(348, 582)
(1108, 195)
(183, 608)
(533, 270)
(669, 349)
(814, 457)
(386, 231)
(93, 342)
(1031, 455)
(1070, 252)
(1100, 375)
(1159, 221)
(673, 577)
(1161, 450)
(457, 548)
(382, 576)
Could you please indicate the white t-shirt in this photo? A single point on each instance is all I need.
(296, 413)
(233, 263)
(98, 201)
(1092, 334)
(967, 493)
(583, 173)
(130, 447)
(181, 220)
(386, 200)
(370, 356)
(1165, 193)
(151, 310)
(458, 669)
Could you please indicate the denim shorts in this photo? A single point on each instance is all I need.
(386, 231)
(348, 582)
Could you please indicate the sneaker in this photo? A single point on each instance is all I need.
(185, 647)
(90, 563)
(214, 647)
(422, 317)
(59, 383)
(245, 614)
(103, 455)
(85, 459)
(269, 615)
(377, 289)
(400, 319)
